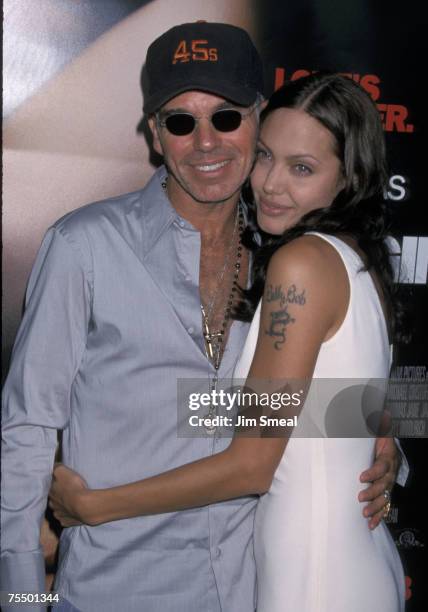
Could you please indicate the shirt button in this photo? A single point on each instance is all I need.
(181, 223)
(218, 551)
(190, 330)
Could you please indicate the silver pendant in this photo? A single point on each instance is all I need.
(210, 429)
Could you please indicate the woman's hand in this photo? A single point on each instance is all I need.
(381, 476)
(68, 497)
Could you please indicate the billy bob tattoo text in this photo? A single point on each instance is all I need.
(279, 315)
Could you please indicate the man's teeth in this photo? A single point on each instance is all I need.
(211, 167)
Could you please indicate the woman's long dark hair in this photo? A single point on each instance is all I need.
(359, 210)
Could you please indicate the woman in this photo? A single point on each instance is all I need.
(327, 294)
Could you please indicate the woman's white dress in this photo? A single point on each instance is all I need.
(314, 550)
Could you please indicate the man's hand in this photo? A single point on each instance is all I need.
(382, 476)
(67, 496)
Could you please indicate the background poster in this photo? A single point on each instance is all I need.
(72, 104)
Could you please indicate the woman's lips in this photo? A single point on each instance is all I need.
(272, 209)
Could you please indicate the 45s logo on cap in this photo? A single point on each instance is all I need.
(216, 58)
(198, 52)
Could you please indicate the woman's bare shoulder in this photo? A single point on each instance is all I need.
(310, 256)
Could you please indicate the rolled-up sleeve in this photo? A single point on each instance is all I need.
(36, 401)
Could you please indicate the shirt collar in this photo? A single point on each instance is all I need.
(157, 211)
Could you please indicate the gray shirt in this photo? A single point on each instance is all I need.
(112, 321)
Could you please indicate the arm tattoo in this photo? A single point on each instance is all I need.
(279, 315)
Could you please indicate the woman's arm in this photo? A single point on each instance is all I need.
(305, 301)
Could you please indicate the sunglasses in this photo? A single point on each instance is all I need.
(223, 120)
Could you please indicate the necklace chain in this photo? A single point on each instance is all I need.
(212, 302)
(214, 340)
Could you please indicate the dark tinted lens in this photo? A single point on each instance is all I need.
(180, 124)
(226, 120)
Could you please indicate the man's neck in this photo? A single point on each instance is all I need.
(212, 219)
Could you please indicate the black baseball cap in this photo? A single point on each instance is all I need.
(217, 58)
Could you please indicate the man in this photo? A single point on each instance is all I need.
(117, 303)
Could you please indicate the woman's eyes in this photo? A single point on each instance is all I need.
(299, 169)
(302, 169)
